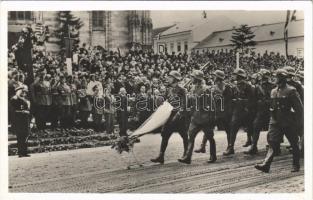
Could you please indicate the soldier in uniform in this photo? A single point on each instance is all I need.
(43, 99)
(65, 103)
(222, 93)
(263, 95)
(21, 119)
(300, 90)
(243, 103)
(179, 119)
(286, 114)
(202, 117)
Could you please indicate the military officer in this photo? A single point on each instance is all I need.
(21, 119)
(263, 95)
(243, 111)
(222, 93)
(202, 117)
(286, 114)
(179, 119)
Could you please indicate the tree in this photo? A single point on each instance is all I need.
(69, 25)
(242, 38)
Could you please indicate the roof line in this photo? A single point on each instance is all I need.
(256, 41)
(257, 26)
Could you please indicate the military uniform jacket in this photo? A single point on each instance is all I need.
(42, 93)
(177, 97)
(299, 89)
(286, 107)
(202, 105)
(21, 116)
(223, 100)
(244, 97)
(263, 96)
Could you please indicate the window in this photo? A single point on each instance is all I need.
(178, 46)
(300, 53)
(98, 20)
(172, 47)
(20, 15)
(186, 46)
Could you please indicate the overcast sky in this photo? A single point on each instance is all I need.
(165, 18)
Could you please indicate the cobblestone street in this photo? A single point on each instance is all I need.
(104, 170)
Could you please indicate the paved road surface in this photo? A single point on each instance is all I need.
(103, 170)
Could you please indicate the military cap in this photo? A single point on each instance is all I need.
(197, 74)
(175, 74)
(219, 74)
(240, 72)
(281, 72)
(289, 70)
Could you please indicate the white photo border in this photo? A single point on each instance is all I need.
(306, 6)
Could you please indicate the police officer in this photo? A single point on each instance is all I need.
(202, 117)
(21, 119)
(286, 113)
(179, 119)
(263, 95)
(222, 94)
(243, 103)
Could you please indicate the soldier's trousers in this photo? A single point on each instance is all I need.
(261, 120)
(65, 116)
(179, 125)
(275, 133)
(224, 122)
(42, 116)
(193, 130)
(240, 118)
(21, 137)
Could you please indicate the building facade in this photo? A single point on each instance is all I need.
(269, 37)
(110, 29)
(183, 37)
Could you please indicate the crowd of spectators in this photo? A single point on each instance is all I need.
(67, 101)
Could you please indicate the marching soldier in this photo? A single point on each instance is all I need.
(263, 95)
(222, 93)
(286, 114)
(202, 118)
(300, 90)
(242, 114)
(21, 119)
(178, 120)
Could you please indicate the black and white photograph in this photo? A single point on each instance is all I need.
(156, 101)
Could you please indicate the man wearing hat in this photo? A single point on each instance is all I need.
(292, 82)
(263, 96)
(21, 119)
(243, 105)
(202, 117)
(179, 119)
(286, 113)
(300, 90)
(222, 93)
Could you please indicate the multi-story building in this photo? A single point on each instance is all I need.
(109, 29)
